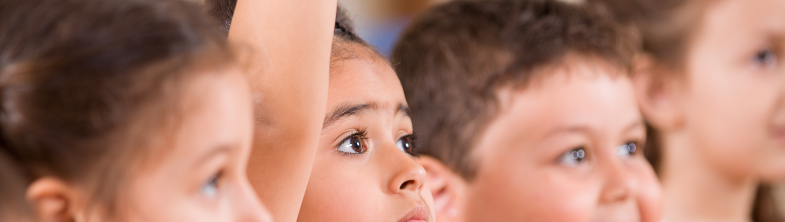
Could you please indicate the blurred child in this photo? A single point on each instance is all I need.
(127, 110)
(525, 112)
(364, 168)
(711, 84)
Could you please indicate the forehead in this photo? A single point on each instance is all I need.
(739, 19)
(584, 95)
(583, 91)
(364, 79)
(214, 110)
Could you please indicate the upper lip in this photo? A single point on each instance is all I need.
(417, 213)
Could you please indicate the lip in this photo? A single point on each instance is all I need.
(417, 214)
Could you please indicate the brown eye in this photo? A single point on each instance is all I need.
(354, 144)
(406, 144)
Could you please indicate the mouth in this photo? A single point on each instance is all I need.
(417, 214)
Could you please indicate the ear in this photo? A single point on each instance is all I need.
(657, 90)
(53, 200)
(447, 187)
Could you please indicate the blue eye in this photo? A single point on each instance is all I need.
(210, 188)
(354, 144)
(573, 157)
(626, 150)
(765, 57)
(405, 144)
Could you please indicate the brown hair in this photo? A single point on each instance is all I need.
(453, 60)
(667, 28)
(85, 85)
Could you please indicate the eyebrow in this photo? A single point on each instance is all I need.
(579, 128)
(223, 149)
(347, 110)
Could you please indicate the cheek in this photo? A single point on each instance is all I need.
(509, 191)
(153, 201)
(728, 116)
(339, 191)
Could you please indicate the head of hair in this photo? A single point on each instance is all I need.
(453, 59)
(86, 85)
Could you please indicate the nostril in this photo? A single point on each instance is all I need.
(404, 184)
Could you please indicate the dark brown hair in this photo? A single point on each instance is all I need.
(453, 60)
(667, 28)
(87, 85)
(222, 11)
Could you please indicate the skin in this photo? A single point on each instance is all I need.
(526, 171)
(382, 183)
(721, 117)
(204, 176)
(287, 63)
(196, 174)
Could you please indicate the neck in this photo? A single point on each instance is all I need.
(696, 190)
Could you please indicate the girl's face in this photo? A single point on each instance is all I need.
(364, 168)
(566, 148)
(733, 96)
(202, 175)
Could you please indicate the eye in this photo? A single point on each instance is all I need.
(765, 58)
(406, 144)
(210, 188)
(573, 157)
(354, 144)
(627, 150)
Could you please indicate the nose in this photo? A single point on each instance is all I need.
(620, 183)
(248, 207)
(407, 174)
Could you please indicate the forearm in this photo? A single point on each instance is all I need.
(288, 68)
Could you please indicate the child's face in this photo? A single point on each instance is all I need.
(567, 148)
(733, 96)
(364, 170)
(202, 177)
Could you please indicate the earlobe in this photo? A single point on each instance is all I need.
(447, 187)
(655, 90)
(52, 199)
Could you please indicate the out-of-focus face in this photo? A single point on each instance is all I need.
(566, 148)
(364, 168)
(202, 176)
(734, 91)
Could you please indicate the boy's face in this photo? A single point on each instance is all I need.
(567, 148)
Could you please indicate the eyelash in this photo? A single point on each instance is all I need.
(766, 57)
(363, 136)
(412, 144)
(212, 186)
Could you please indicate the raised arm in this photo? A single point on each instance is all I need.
(288, 67)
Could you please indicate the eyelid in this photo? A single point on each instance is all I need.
(363, 133)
